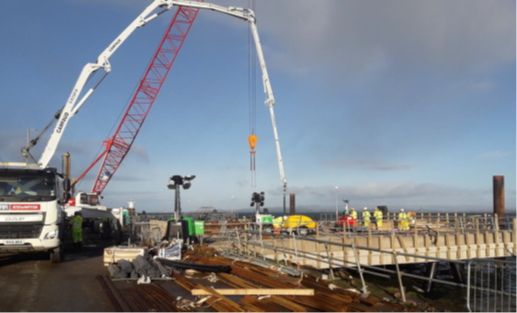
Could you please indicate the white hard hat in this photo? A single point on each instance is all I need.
(365, 208)
(402, 210)
(285, 217)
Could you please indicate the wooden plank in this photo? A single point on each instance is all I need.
(369, 243)
(438, 245)
(403, 245)
(505, 243)
(275, 249)
(448, 245)
(238, 282)
(304, 261)
(478, 248)
(458, 236)
(496, 237)
(487, 242)
(381, 247)
(345, 257)
(468, 243)
(318, 263)
(427, 239)
(255, 292)
(415, 240)
(392, 242)
(217, 301)
(514, 239)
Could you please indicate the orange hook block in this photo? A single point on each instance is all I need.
(253, 141)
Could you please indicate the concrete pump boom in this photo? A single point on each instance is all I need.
(156, 8)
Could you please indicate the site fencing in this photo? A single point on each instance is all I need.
(491, 285)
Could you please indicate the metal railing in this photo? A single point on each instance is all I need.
(242, 241)
(491, 285)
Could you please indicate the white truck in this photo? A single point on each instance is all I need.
(32, 215)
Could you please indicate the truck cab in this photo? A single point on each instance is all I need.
(32, 217)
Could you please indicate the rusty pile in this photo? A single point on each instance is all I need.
(327, 296)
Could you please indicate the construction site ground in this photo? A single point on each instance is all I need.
(31, 283)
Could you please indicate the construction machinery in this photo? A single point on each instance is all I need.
(118, 145)
(32, 194)
(32, 203)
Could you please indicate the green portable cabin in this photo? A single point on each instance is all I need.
(191, 230)
(199, 227)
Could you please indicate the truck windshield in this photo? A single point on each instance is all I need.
(27, 187)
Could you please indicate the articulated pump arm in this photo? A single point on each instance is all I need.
(72, 105)
(249, 15)
(161, 6)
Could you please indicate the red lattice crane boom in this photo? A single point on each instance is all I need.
(118, 146)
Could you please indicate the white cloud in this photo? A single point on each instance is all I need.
(365, 164)
(483, 87)
(399, 193)
(493, 155)
(357, 38)
(139, 152)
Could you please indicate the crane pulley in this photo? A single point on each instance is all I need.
(252, 139)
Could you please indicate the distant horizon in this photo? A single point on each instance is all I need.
(327, 209)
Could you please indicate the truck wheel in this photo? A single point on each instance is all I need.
(304, 231)
(57, 255)
(267, 229)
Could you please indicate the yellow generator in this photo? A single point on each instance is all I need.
(300, 224)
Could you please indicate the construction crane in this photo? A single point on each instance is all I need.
(36, 193)
(118, 146)
(33, 195)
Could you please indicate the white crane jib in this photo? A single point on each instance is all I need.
(72, 105)
(156, 8)
(249, 15)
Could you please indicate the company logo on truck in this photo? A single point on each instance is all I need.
(25, 207)
(62, 122)
(4, 207)
(72, 96)
(114, 45)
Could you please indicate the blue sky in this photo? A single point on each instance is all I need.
(404, 103)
